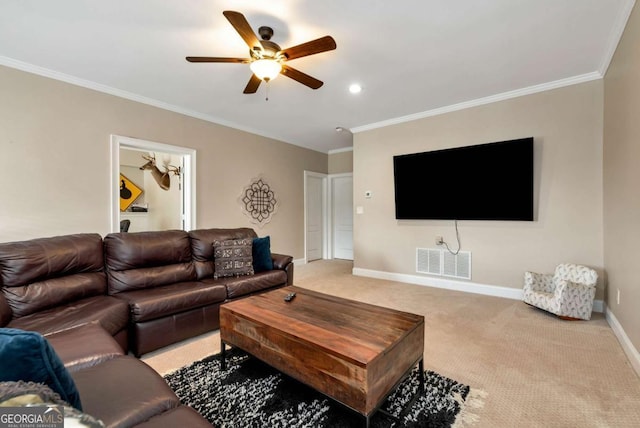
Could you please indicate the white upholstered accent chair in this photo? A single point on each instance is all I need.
(568, 293)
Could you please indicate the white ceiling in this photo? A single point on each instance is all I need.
(413, 58)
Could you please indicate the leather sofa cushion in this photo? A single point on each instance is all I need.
(46, 272)
(123, 392)
(171, 299)
(84, 346)
(147, 259)
(111, 313)
(202, 246)
(244, 285)
(29, 299)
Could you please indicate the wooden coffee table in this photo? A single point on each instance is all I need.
(353, 352)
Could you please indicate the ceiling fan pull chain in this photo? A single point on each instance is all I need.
(267, 89)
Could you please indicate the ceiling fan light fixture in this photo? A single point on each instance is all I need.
(266, 69)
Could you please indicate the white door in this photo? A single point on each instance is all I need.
(315, 220)
(342, 219)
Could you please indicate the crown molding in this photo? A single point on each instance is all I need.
(616, 34)
(482, 101)
(344, 149)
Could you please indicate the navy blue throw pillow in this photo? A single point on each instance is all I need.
(27, 356)
(262, 254)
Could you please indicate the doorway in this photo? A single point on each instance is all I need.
(123, 148)
(328, 216)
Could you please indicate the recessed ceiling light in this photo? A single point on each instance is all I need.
(355, 88)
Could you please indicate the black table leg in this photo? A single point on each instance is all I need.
(422, 379)
(223, 360)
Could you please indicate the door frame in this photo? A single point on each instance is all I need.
(188, 176)
(325, 228)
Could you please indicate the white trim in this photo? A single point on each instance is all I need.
(616, 34)
(302, 261)
(344, 149)
(188, 177)
(482, 101)
(631, 352)
(449, 284)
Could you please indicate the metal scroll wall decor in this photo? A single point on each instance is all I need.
(258, 202)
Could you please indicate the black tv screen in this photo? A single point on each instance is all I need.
(483, 182)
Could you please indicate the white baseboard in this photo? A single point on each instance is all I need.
(450, 284)
(632, 353)
(302, 261)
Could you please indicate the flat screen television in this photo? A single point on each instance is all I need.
(483, 182)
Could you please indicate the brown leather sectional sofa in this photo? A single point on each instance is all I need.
(96, 299)
(147, 289)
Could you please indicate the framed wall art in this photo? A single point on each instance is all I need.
(258, 201)
(129, 192)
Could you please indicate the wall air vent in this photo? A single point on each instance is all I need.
(435, 261)
(429, 260)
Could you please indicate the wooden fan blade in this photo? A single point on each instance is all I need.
(299, 76)
(239, 22)
(322, 44)
(253, 84)
(217, 59)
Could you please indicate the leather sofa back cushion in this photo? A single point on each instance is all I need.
(202, 246)
(47, 272)
(147, 259)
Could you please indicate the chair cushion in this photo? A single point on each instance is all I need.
(27, 356)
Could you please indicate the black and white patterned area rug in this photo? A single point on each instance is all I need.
(249, 393)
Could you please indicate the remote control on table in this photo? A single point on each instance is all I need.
(289, 297)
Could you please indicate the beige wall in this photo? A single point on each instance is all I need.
(622, 180)
(54, 150)
(567, 126)
(341, 162)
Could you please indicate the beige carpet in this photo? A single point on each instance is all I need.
(530, 368)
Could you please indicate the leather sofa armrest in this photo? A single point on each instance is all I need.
(84, 346)
(280, 261)
(285, 263)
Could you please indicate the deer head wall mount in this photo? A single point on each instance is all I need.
(162, 178)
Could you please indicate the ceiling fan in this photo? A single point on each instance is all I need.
(266, 58)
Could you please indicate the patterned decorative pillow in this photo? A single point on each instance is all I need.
(233, 258)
